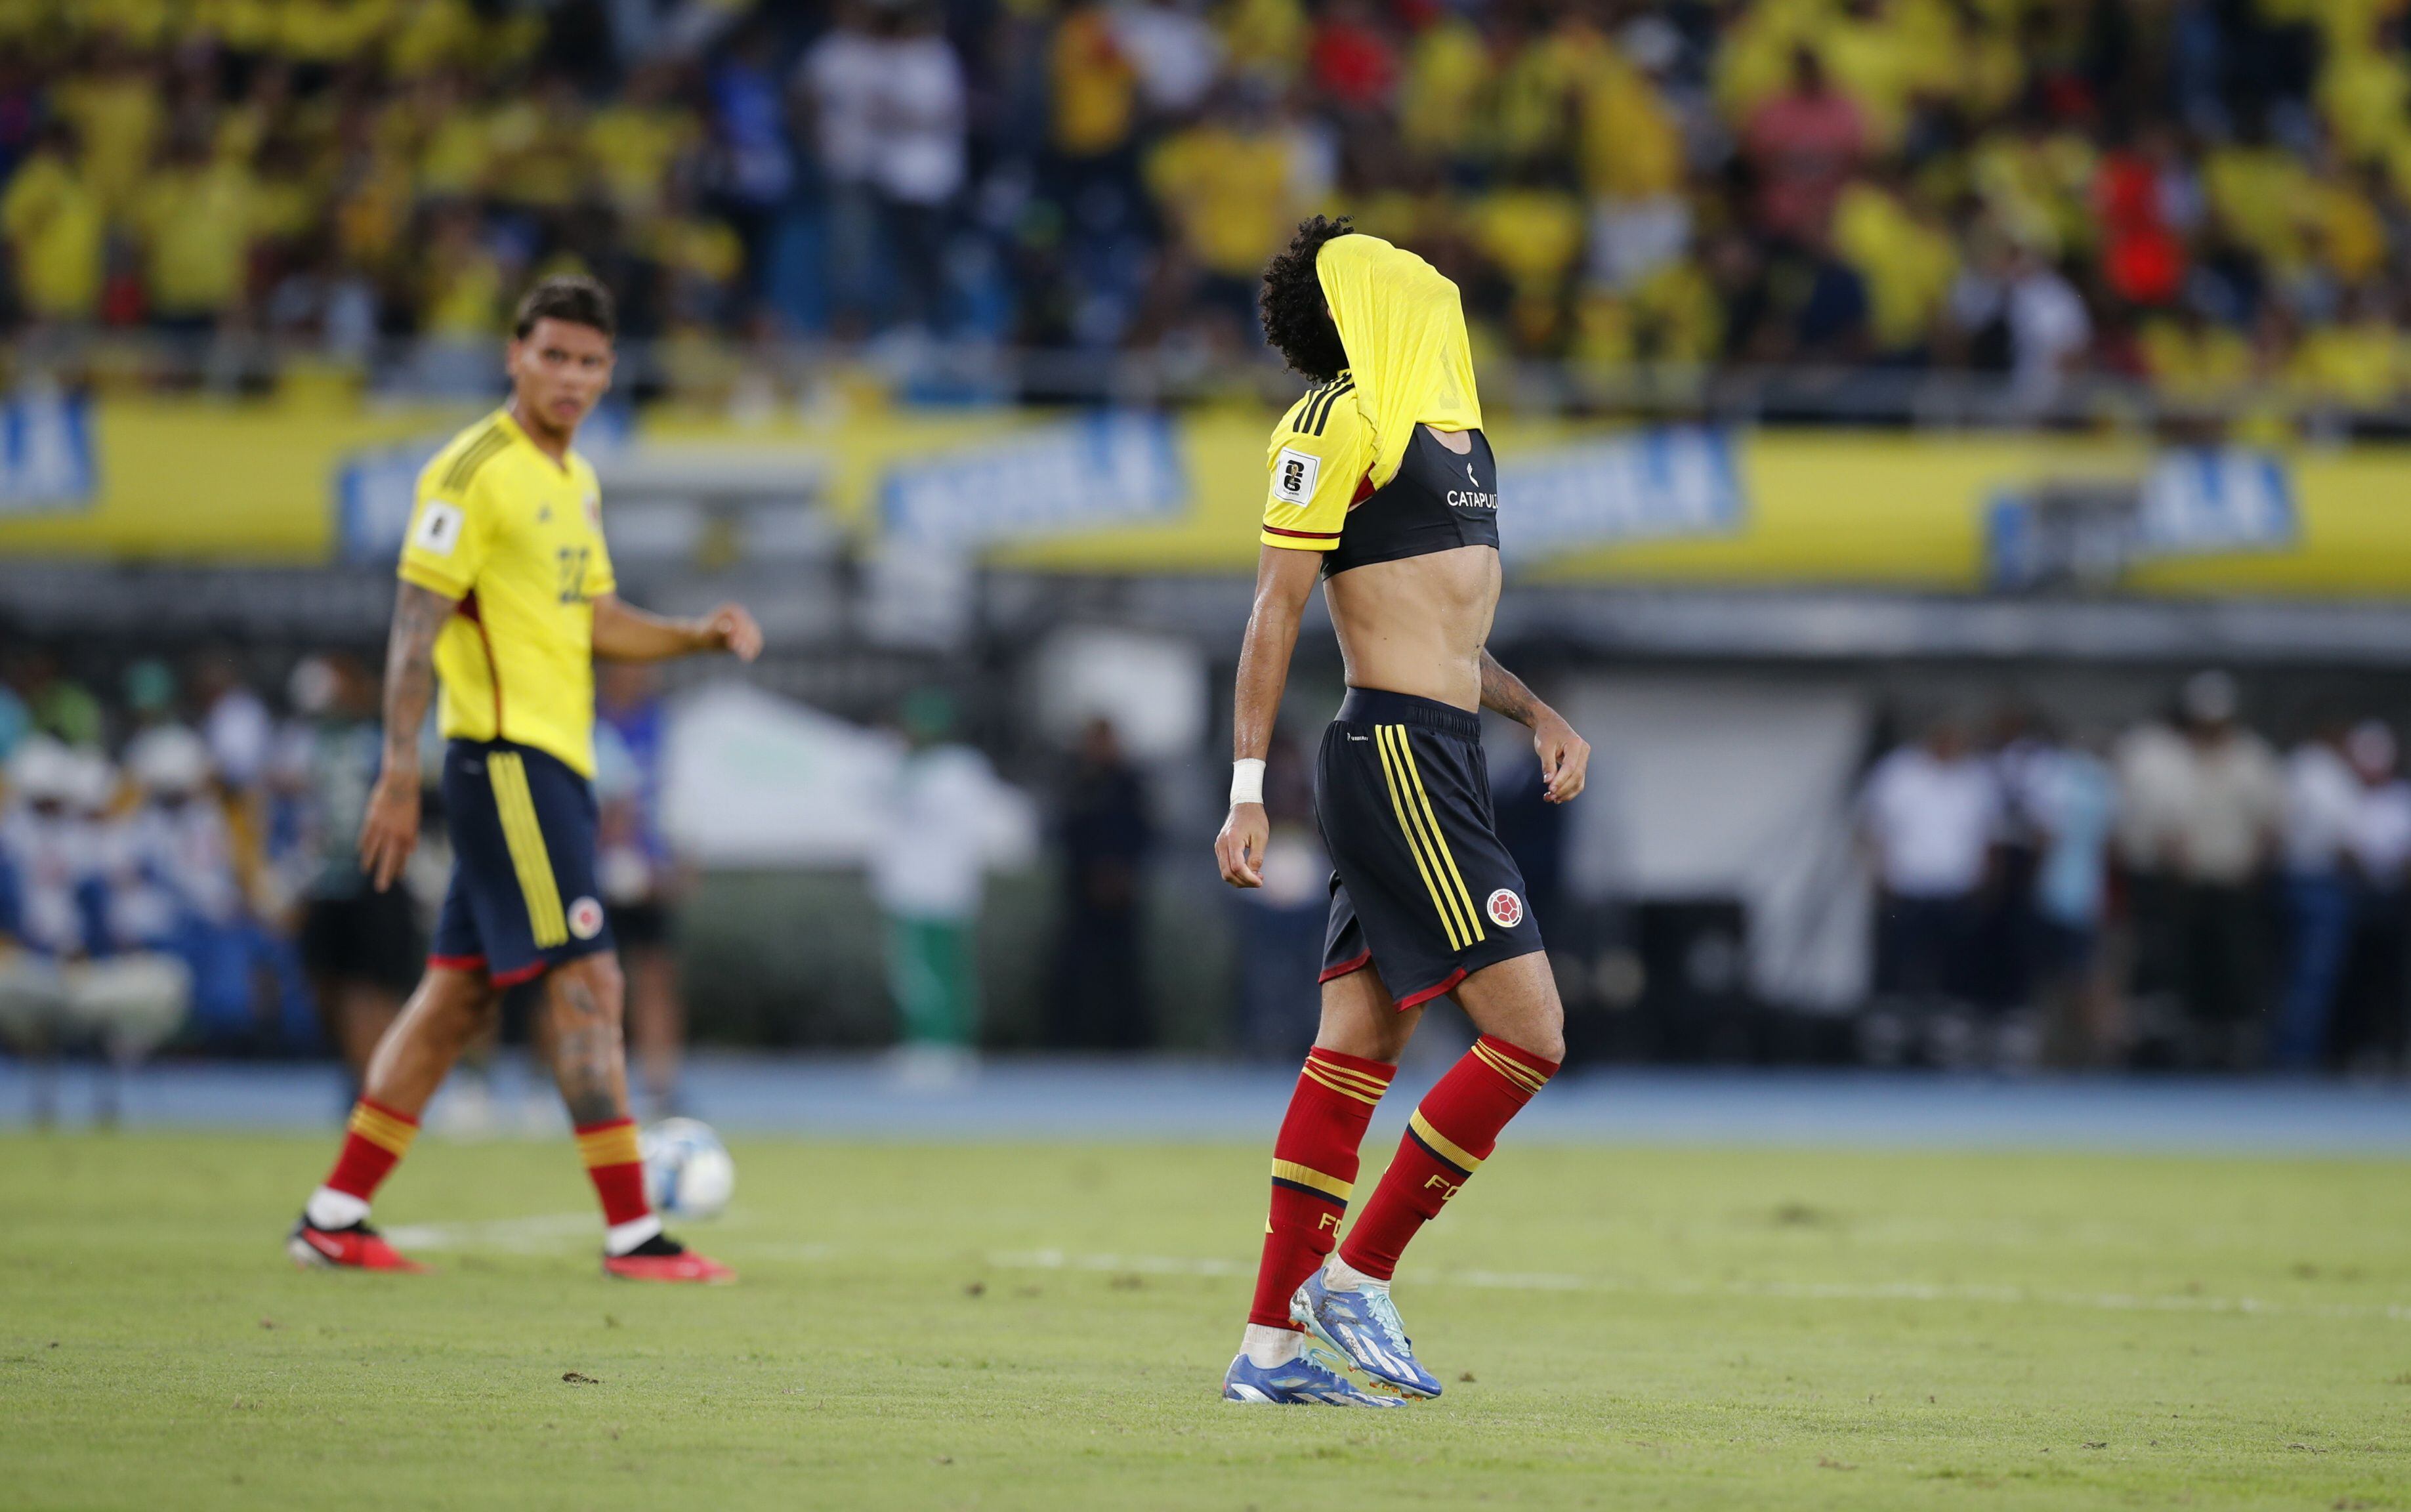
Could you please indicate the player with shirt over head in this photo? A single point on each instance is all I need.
(507, 597)
(1383, 486)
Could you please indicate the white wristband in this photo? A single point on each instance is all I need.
(1246, 782)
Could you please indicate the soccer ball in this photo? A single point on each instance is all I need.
(688, 1173)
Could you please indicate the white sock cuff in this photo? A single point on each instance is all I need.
(618, 1239)
(332, 1210)
(1340, 1276)
(1267, 1347)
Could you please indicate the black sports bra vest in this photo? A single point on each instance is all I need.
(1438, 501)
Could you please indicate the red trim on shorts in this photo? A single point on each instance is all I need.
(458, 962)
(537, 968)
(1430, 992)
(1332, 974)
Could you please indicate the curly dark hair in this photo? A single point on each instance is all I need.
(1296, 325)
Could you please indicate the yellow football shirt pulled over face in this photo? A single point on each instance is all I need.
(518, 540)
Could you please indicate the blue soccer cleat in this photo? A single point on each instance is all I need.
(1304, 1381)
(1364, 1327)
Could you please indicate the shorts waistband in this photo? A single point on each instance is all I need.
(1379, 705)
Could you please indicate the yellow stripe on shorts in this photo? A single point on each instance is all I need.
(1424, 832)
(524, 834)
(1439, 838)
(1414, 837)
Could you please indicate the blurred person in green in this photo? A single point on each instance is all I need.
(58, 705)
(950, 820)
(361, 947)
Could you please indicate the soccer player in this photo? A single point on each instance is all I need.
(1383, 485)
(507, 597)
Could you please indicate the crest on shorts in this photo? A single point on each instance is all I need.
(586, 917)
(1505, 909)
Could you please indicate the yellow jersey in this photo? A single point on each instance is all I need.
(1321, 458)
(517, 538)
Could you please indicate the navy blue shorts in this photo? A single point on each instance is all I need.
(1422, 890)
(523, 897)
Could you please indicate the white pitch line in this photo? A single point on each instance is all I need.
(550, 1232)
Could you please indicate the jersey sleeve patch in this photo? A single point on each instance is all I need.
(1294, 475)
(438, 531)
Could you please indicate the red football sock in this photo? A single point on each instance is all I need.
(617, 1171)
(1447, 1140)
(1314, 1169)
(375, 1142)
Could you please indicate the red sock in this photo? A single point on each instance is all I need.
(1314, 1169)
(1446, 1140)
(617, 1171)
(376, 1140)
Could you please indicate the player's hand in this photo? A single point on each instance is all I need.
(1239, 849)
(390, 830)
(730, 628)
(1565, 758)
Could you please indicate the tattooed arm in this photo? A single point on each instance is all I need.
(390, 830)
(1565, 756)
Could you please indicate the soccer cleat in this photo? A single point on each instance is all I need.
(662, 1259)
(1364, 1327)
(1304, 1381)
(357, 1247)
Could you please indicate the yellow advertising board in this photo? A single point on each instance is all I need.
(277, 483)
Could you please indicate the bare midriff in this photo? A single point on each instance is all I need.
(1418, 625)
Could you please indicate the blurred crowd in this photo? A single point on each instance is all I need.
(2180, 895)
(2207, 193)
(176, 862)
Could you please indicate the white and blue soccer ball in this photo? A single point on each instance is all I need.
(688, 1172)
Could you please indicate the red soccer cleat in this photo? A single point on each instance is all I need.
(662, 1259)
(357, 1248)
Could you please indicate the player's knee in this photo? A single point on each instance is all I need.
(592, 985)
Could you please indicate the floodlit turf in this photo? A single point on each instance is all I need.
(1044, 1327)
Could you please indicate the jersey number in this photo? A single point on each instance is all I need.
(572, 561)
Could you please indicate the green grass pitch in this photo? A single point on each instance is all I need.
(1044, 1327)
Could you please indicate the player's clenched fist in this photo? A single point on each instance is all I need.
(1239, 849)
(730, 628)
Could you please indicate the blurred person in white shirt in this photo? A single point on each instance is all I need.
(235, 721)
(2322, 810)
(891, 112)
(950, 820)
(2210, 805)
(1928, 816)
(175, 888)
(60, 978)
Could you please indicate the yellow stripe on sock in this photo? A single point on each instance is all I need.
(1375, 1085)
(1439, 839)
(1316, 1072)
(1414, 838)
(1445, 1147)
(613, 1146)
(1290, 1170)
(524, 833)
(1523, 1076)
(382, 1129)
